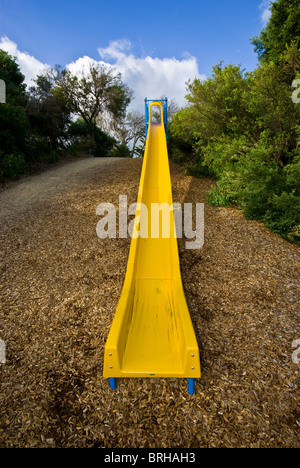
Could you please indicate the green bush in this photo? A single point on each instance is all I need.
(283, 215)
(219, 195)
(12, 166)
(262, 190)
(121, 151)
(243, 129)
(99, 144)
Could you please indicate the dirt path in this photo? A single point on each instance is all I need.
(27, 192)
(60, 285)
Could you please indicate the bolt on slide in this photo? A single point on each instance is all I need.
(152, 333)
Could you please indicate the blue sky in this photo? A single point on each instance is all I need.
(182, 36)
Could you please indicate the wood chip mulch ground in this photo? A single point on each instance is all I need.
(60, 285)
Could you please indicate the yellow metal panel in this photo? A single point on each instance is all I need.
(152, 334)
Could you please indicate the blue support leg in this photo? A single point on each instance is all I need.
(191, 386)
(112, 383)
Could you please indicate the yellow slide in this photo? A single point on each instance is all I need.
(152, 334)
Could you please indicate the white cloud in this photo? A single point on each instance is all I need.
(82, 65)
(265, 6)
(151, 77)
(29, 65)
(146, 76)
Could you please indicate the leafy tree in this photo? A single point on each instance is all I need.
(244, 129)
(79, 134)
(131, 130)
(282, 29)
(14, 125)
(271, 106)
(99, 97)
(49, 111)
(14, 79)
(37, 125)
(218, 112)
(219, 102)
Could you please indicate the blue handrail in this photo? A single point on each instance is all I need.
(165, 110)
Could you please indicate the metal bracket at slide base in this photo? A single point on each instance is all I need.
(112, 383)
(191, 385)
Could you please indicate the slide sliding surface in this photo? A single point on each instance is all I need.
(152, 334)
